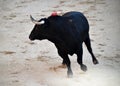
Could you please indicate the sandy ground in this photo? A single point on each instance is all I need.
(26, 63)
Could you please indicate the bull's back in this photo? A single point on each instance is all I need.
(79, 21)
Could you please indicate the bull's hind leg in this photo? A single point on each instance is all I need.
(79, 58)
(66, 61)
(88, 44)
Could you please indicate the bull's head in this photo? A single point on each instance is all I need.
(44, 28)
(40, 30)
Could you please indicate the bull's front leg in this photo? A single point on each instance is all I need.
(66, 61)
(79, 58)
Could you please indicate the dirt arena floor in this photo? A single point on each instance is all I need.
(26, 63)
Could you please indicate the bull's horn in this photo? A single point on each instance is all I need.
(35, 21)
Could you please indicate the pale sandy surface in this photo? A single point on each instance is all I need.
(26, 63)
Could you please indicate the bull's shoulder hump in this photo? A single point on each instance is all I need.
(72, 13)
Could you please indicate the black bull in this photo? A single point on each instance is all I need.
(67, 32)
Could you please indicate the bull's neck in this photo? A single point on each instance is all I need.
(55, 40)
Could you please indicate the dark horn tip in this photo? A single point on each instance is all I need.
(30, 16)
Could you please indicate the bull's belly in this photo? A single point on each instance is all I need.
(71, 53)
(71, 50)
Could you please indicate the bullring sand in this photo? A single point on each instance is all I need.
(26, 63)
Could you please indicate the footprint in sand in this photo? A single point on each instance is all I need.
(14, 74)
(15, 81)
(102, 44)
(62, 1)
(42, 58)
(55, 69)
(7, 52)
(29, 42)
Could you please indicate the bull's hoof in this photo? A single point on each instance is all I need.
(95, 61)
(84, 67)
(69, 74)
